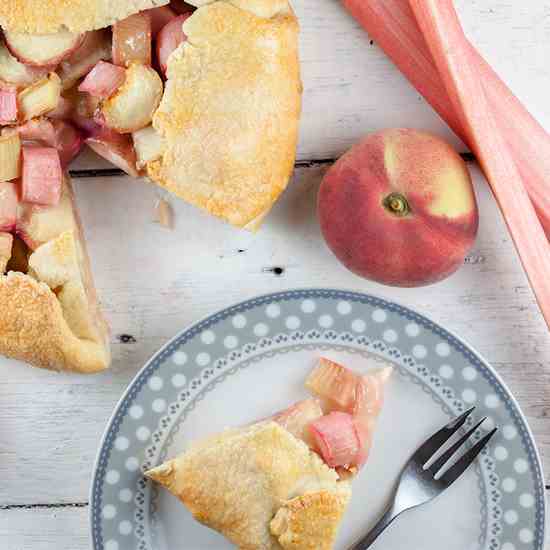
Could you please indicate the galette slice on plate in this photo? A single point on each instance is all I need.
(203, 99)
(283, 482)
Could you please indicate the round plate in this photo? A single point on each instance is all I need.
(250, 360)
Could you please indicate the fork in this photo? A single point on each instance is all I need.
(419, 482)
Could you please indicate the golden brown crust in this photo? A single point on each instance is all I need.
(49, 16)
(262, 8)
(33, 329)
(237, 482)
(230, 110)
(310, 521)
(50, 317)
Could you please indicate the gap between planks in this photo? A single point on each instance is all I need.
(43, 506)
(61, 505)
(116, 172)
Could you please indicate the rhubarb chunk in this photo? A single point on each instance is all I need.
(68, 141)
(14, 72)
(359, 397)
(336, 438)
(169, 38)
(132, 40)
(10, 157)
(42, 50)
(135, 102)
(41, 176)
(62, 135)
(298, 418)
(335, 384)
(95, 47)
(159, 18)
(37, 225)
(116, 148)
(103, 80)
(8, 106)
(149, 145)
(8, 206)
(38, 99)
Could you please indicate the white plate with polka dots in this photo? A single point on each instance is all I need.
(251, 359)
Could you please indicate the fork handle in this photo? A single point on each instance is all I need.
(368, 540)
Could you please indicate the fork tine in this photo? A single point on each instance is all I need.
(434, 443)
(446, 456)
(458, 468)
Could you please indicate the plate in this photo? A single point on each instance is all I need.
(250, 360)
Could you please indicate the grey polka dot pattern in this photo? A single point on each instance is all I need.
(199, 358)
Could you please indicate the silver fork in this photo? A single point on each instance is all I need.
(419, 482)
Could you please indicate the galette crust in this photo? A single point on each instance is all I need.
(33, 329)
(236, 483)
(50, 317)
(310, 521)
(49, 16)
(229, 119)
(230, 110)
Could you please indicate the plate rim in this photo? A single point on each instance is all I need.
(316, 291)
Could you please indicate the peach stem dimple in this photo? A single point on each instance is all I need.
(397, 204)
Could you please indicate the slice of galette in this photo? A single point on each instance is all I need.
(284, 482)
(204, 100)
(49, 310)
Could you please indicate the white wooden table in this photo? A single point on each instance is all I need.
(154, 282)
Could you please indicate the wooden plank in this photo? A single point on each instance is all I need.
(44, 529)
(154, 282)
(54, 529)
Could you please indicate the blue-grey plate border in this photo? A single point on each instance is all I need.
(129, 396)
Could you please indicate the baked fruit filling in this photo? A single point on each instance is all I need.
(338, 421)
(101, 88)
(203, 100)
(58, 93)
(284, 482)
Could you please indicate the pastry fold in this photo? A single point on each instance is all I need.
(50, 316)
(230, 111)
(260, 487)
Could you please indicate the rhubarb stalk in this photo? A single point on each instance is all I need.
(392, 24)
(460, 73)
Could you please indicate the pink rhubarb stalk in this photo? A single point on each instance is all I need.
(392, 24)
(459, 70)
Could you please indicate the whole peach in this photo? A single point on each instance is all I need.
(399, 208)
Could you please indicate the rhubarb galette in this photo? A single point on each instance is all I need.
(283, 482)
(205, 101)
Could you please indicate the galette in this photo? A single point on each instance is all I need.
(285, 481)
(203, 99)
